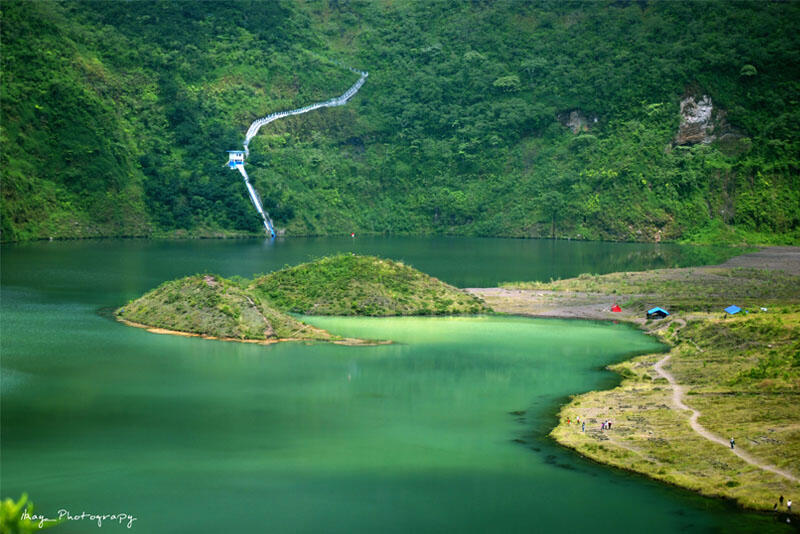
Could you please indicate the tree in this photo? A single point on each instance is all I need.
(508, 84)
(748, 71)
(552, 203)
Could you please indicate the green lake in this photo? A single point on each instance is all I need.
(444, 430)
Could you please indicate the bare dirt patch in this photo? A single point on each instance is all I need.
(785, 259)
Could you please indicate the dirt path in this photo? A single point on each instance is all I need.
(677, 399)
(268, 331)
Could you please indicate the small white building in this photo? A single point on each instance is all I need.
(235, 157)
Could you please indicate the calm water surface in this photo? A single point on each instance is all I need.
(190, 435)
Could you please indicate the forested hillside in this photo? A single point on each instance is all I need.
(503, 118)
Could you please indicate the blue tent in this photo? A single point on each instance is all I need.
(733, 309)
(656, 312)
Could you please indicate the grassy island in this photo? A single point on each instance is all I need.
(212, 306)
(725, 375)
(349, 284)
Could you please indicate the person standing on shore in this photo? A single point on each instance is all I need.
(789, 505)
(583, 426)
(732, 443)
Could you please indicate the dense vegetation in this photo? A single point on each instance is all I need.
(213, 306)
(347, 284)
(116, 116)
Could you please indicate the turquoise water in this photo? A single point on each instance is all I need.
(190, 435)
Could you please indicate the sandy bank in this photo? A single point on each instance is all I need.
(343, 341)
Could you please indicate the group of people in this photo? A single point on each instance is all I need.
(605, 425)
(577, 422)
(780, 503)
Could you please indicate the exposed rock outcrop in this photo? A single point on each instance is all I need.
(576, 120)
(701, 122)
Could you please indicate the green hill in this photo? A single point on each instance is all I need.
(362, 285)
(212, 306)
(526, 119)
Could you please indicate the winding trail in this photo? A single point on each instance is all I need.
(237, 157)
(333, 102)
(677, 399)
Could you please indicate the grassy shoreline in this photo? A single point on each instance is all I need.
(650, 436)
(742, 373)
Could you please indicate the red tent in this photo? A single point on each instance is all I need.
(616, 308)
